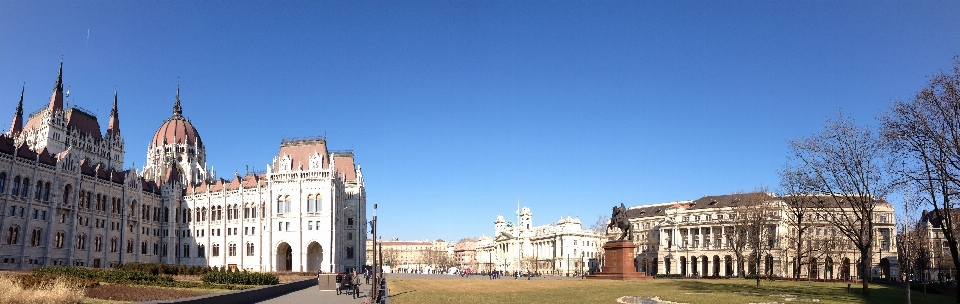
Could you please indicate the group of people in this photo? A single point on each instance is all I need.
(349, 281)
(496, 274)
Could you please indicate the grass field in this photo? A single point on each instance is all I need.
(737, 291)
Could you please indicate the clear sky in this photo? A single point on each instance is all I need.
(458, 109)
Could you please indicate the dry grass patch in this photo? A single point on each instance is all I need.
(58, 291)
(737, 291)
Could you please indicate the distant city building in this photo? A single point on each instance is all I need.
(693, 238)
(465, 253)
(559, 248)
(67, 199)
(939, 267)
(412, 256)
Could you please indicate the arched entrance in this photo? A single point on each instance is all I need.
(728, 265)
(683, 266)
(284, 257)
(314, 256)
(694, 261)
(716, 265)
(884, 268)
(813, 269)
(654, 267)
(828, 268)
(706, 266)
(845, 269)
(768, 265)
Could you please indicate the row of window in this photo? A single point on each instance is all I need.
(215, 250)
(21, 186)
(314, 203)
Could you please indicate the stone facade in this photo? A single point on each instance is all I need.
(559, 248)
(693, 238)
(412, 256)
(67, 200)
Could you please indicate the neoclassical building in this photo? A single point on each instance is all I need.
(68, 200)
(694, 237)
(557, 248)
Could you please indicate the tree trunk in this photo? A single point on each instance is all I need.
(865, 269)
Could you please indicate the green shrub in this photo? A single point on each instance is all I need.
(241, 278)
(132, 277)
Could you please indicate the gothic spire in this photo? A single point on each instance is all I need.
(113, 128)
(56, 99)
(17, 125)
(177, 111)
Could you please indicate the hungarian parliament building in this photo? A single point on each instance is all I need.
(67, 199)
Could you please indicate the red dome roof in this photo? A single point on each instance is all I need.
(176, 130)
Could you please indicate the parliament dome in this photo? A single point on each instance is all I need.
(176, 130)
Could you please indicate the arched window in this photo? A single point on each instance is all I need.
(166, 214)
(35, 237)
(219, 213)
(232, 250)
(310, 203)
(216, 250)
(46, 192)
(287, 203)
(16, 186)
(81, 241)
(38, 191)
(204, 214)
(59, 239)
(66, 194)
(97, 243)
(143, 247)
(113, 244)
(26, 187)
(3, 182)
(236, 211)
(200, 250)
(318, 203)
(133, 210)
(86, 201)
(279, 203)
(130, 246)
(13, 233)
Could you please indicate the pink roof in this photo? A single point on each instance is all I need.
(300, 152)
(83, 122)
(344, 166)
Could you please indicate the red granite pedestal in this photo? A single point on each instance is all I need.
(618, 263)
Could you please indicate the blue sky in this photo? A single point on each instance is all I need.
(458, 109)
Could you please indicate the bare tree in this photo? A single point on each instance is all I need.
(600, 226)
(847, 163)
(738, 234)
(758, 219)
(797, 191)
(925, 132)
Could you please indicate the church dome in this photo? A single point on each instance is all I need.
(176, 130)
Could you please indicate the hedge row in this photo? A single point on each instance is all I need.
(241, 278)
(120, 276)
(159, 268)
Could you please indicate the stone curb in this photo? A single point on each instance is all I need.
(244, 296)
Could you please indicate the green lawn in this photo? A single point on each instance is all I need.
(602, 291)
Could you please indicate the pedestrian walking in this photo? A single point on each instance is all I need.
(339, 282)
(356, 285)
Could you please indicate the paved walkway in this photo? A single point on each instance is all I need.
(315, 295)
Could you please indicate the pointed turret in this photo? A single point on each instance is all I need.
(56, 99)
(17, 125)
(113, 128)
(177, 111)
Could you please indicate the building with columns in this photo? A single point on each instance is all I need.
(694, 238)
(559, 248)
(68, 200)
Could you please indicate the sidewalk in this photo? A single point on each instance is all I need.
(314, 295)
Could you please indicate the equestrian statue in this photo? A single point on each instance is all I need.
(619, 220)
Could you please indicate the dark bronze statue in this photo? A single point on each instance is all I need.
(619, 220)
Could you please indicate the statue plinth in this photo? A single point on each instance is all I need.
(618, 263)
